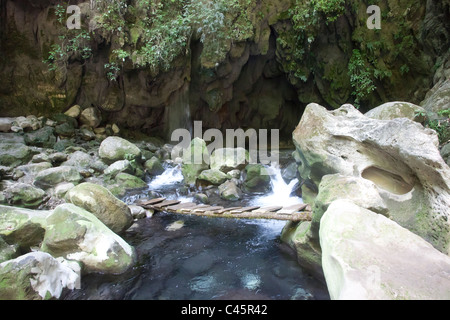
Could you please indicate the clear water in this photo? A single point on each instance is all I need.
(182, 257)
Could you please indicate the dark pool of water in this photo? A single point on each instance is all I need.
(182, 257)
(207, 258)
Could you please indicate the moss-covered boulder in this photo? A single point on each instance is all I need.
(76, 234)
(213, 176)
(399, 158)
(14, 154)
(24, 195)
(103, 204)
(115, 148)
(230, 191)
(51, 177)
(195, 160)
(153, 166)
(257, 178)
(44, 138)
(23, 227)
(129, 181)
(8, 251)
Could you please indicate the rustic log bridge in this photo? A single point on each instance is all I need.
(299, 212)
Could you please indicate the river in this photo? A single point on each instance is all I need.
(182, 257)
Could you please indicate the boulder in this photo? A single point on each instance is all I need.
(73, 111)
(366, 256)
(115, 148)
(65, 130)
(257, 178)
(438, 98)
(37, 276)
(400, 157)
(298, 236)
(398, 109)
(129, 182)
(44, 138)
(14, 154)
(76, 234)
(29, 123)
(31, 170)
(230, 191)
(227, 159)
(79, 159)
(24, 195)
(23, 227)
(213, 176)
(119, 166)
(8, 251)
(153, 166)
(103, 204)
(336, 186)
(51, 177)
(195, 160)
(91, 117)
(6, 124)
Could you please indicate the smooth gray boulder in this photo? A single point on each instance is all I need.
(366, 256)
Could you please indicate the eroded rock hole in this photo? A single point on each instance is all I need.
(386, 180)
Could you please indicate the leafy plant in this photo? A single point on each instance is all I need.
(73, 45)
(360, 77)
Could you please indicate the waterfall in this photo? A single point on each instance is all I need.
(168, 178)
(281, 191)
(178, 114)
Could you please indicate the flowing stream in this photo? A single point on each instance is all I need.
(182, 257)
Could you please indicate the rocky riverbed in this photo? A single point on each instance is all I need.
(379, 189)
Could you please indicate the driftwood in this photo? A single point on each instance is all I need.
(299, 212)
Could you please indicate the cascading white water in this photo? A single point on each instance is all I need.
(169, 177)
(281, 191)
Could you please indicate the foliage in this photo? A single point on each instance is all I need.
(441, 126)
(73, 45)
(360, 77)
(306, 17)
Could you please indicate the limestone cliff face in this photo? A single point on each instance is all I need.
(254, 84)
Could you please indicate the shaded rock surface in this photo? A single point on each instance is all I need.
(367, 256)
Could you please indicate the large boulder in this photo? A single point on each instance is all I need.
(195, 160)
(213, 176)
(438, 98)
(37, 276)
(399, 157)
(115, 148)
(23, 227)
(230, 191)
(103, 204)
(368, 256)
(76, 234)
(13, 154)
(398, 109)
(91, 117)
(51, 177)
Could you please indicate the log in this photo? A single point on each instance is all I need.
(296, 213)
